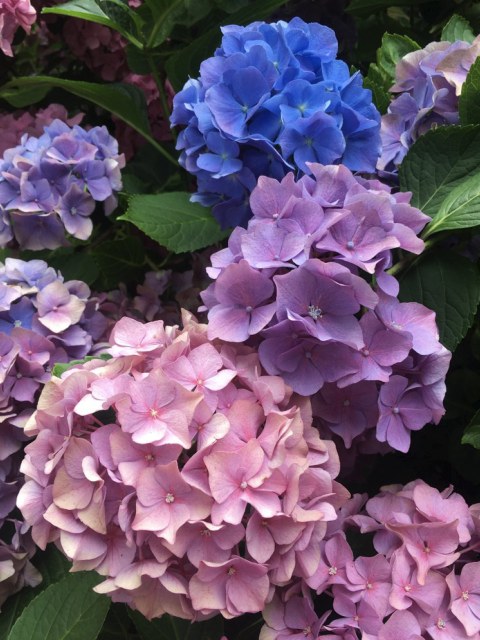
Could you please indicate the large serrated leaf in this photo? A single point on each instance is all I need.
(469, 102)
(394, 48)
(123, 100)
(438, 162)
(168, 13)
(119, 261)
(448, 284)
(457, 28)
(173, 221)
(66, 610)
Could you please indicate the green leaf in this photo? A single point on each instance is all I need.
(75, 266)
(437, 163)
(53, 566)
(118, 17)
(123, 100)
(469, 102)
(471, 434)
(173, 221)
(394, 47)
(448, 284)
(185, 63)
(66, 610)
(60, 367)
(457, 28)
(119, 261)
(460, 209)
(381, 97)
(168, 13)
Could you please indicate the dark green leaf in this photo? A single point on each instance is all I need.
(168, 13)
(123, 100)
(186, 62)
(448, 284)
(53, 566)
(119, 261)
(61, 367)
(471, 434)
(173, 221)
(170, 628)
(457, 28)
(460, 209)
(66, 610)
(116, 17)
(438, 162)
(381, 98)
(75, 266)
(394, 47)
(469, 102)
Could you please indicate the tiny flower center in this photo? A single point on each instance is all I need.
(17, 323)
(243, 485)
(426, 548)
(465, 595)
(205, 533)
(395, 410)
(441, 624)
(366, 352)
(346, 403)
(231, 571)
(73, 211)
(308, 355)
(199, 381)
(249, 309)
(350, 244)
(369, 585)
(314, 312)
(332, 571)
(169, 498)
(153, 413)
(149, 457)
(307, 631)
(407, 587)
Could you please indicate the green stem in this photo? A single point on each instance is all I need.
(408, 261)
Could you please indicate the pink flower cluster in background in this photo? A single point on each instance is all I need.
(14, 125)
(14, 14)
(203, 487)
(422, 582)
(295, 283)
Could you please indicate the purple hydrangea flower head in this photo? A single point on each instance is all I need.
(272, 98)
(307, 283)
(50, 184)
(428, 85)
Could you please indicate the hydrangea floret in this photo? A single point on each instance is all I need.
(179, 471)
(50, 184)
(272, 98)
(297, 283)
(13, 15)
(427, 89)
(421, 581)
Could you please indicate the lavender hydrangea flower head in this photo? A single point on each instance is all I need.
(298, 284)
(204, 490)
(271, 99)
(50, 184)
(428, 84)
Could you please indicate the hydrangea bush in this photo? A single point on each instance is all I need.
(302, 460)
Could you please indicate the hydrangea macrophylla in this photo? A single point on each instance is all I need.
(411, 587)
(200, 451)
(272, 99)
(296, 283)
(50, 183)
(427, 88)
(14, 14)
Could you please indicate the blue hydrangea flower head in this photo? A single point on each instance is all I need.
(272, 99)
